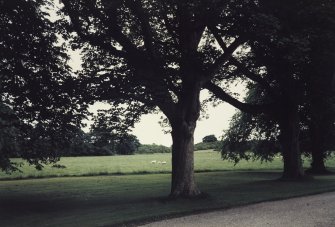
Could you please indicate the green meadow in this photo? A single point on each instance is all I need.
(205, 161)
(122, 190)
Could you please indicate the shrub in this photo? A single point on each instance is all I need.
(152, 148)
(208, 146)
(208, 139)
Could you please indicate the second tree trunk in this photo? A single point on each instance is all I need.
(289, 139)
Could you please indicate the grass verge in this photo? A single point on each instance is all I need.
(126, 199)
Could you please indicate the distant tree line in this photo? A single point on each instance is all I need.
(102, 142)
(152, 148)
(99, 142)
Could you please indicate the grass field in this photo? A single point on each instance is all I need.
(118, 199)
(205, 161)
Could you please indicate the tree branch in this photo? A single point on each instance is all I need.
(245, 107)
(167, 23)
(224, 57)
(246, 72)
(113, 31)
(254, 77)
(218, 38)
(143, 17)
(94, 40)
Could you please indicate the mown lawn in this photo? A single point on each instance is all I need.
(93, 198)
(138, 164)
(113, 200)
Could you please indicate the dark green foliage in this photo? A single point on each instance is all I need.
(9, 135)
(103, 139)
(311, 59)
(126, 145)
(152, 149)
(110, 132)
(35, 84)
(80, 145)
(209, 138)
(250, 137)
(98, 143)
(283, 42)
(208, 146)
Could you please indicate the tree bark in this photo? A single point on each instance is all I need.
(183, 183)
(317, 150)
(318, 164)
(183, 127)
(289, 139)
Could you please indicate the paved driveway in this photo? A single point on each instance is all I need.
(309, 211)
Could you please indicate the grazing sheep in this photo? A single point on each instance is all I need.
(153, 162)
(163, 162)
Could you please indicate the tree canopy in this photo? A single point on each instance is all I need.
(36, 85)
(152, 54)
(283, 42)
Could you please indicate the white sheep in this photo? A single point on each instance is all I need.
(153, 162)
(163, 162)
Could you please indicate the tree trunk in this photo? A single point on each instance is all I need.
(183, 126)
(289, 139)
(183, 184)
(317, 150)
(318, 164)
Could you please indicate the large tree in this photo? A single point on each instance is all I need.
(320, 82)
(37, 112)
(256, 136)
(280, 50)
(151, 54)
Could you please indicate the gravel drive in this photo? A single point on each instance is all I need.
(308, 211)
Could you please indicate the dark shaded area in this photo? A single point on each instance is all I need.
(100, 200)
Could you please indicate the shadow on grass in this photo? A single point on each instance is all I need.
(142, 199)
(25, 205)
